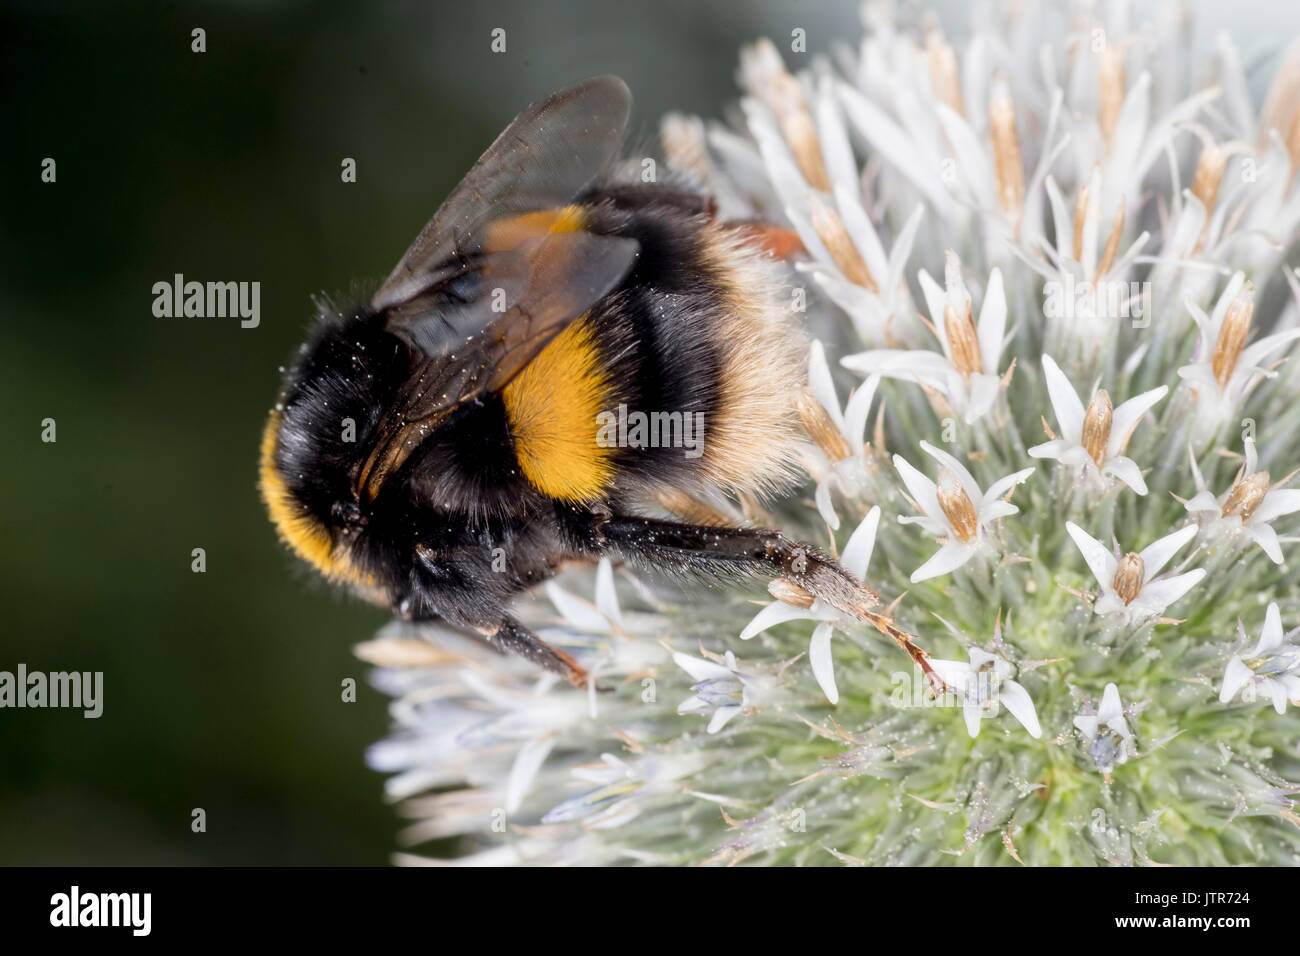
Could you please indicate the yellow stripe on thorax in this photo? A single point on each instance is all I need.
(552, 406)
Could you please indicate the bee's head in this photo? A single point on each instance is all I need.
(321, 431)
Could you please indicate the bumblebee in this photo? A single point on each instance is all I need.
(438, 450)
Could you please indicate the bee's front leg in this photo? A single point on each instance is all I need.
(462, 594)
(511, 637)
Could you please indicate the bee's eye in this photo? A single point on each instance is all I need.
(462, 288)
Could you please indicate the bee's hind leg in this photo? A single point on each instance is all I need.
(734, 552)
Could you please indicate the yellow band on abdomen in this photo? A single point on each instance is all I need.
(553, 407)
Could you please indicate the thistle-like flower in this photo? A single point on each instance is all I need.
(1106, 732)
(1270, 670)
(1093, 439)
(1072, 169)
(984, 684)
(838, 434)
(955, 510)
(966, 373)
(1226, 369)
(1131, 585)
(1251, 502)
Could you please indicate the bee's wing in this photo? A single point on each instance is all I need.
(529, 295)
(543, 160)
(531, 266)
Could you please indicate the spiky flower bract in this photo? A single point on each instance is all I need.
(1115, 293)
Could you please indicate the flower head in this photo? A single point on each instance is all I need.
(1093, 439)
(1226, 370)
(1247, 507)
(984, 684)
(721, 689)
(795, 604)
(966, 372)
(1078, 164)
(954, 509)
(1132, 587)
(1271, 669)
(1110, 742)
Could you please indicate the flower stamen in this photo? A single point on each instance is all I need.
(821, 428)
(1112, 243)
(1209, 176)
(1096, 426)
(788, 592)
(1007, 165)
(835, 237)
(1232, 335)
(1129, 576)
(1110, 91)
(957, 506)
(943, 71)
(963, 340)
(1245, 495)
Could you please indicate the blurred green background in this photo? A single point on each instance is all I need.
(222, 690)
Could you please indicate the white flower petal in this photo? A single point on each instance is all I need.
(721, 716)
(947, 559)
(1111, 706)
(819, 655)
(972, 712)
(606, 593)
(1126, 415)
(1050, 449)
(983, 393)
(825, 508)
(923, 491)
(858, 411)
(956, 674)
(821, 384)
(1017, 700)
(1065, 401)
(1270, 638)
(1002, 486)
(1203, 501)
(772, 615)
(523, 771)
(1099, 559)
(992, 324)
(857, 553)
(1267, 539)
(1279, 502)
(1127, 471)
(1236, 676)
(1160, 594)
(578, 613)
(1157, 554)
(700, 669)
